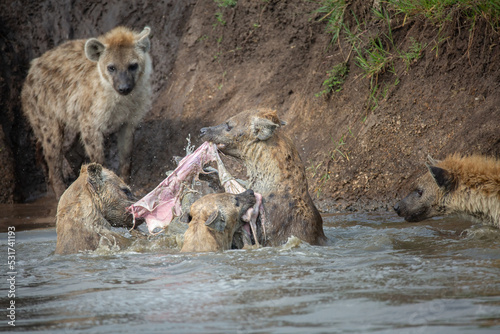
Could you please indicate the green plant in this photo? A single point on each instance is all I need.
(335, 79)
(337, 149)
(437, 43)
(334, 10)
(377, 56)
(375, 59)
(414, 52)
(313, 168)
(203, 38)
(322, 181)
(372, 103)
(226, 3)
(219, 17)
(441, 11)
(384, 16)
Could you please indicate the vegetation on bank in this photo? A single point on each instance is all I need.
(383, 60)
(376, 55)
(439, 11)
(371, 49)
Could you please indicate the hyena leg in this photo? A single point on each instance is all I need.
(125, 143)
(93, 142)
(70, 137)
(52, 138)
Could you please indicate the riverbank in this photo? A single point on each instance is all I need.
(402, 86)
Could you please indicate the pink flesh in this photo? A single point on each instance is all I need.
(162, 204)
(232, 186)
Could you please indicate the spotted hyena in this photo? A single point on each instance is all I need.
(91, 87)
(214, 220)
(275, 170)
(468, 186)
(87, 210)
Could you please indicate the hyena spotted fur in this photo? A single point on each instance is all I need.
(91, 87)
(464, 185)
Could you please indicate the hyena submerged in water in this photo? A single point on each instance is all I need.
(214, 220)
(468, 186)
(91, 87)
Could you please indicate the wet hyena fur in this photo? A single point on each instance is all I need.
(214, 219)
(87, 210)
(275, 170)
(91, 87)
(464, 185)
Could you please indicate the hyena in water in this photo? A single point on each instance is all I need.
(469, 186)
(91, 87)
(89, 207)
(214, 220)
(275, 170)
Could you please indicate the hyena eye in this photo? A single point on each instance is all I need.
(419, 192)
(228, 127)
(133, 67)
(111, 68)
(127, 192)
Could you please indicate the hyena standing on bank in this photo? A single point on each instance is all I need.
(468, 186)
(91, 87)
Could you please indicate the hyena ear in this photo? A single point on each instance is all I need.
(94, 178)
(216, 221)
(263, 128)
(442, 177)
(431, 161)
(94, 49)
(83, 169)
(143, 40)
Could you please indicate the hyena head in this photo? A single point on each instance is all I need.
(223, 211)
(110, 194)
(122, 57)
(429, 196)
(239, 132)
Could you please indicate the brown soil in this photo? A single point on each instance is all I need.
(272, 54)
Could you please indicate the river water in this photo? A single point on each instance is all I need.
(378, 275)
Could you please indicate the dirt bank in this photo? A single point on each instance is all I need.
(211, 62)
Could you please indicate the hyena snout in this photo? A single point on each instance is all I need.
(124, 82)
(212, 134)
(220, 135)
(397, 209)
(403, 210)
(203, 132)
(246, 200)
(215, 133)
(413, 208)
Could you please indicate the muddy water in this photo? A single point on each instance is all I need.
(378, 275)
